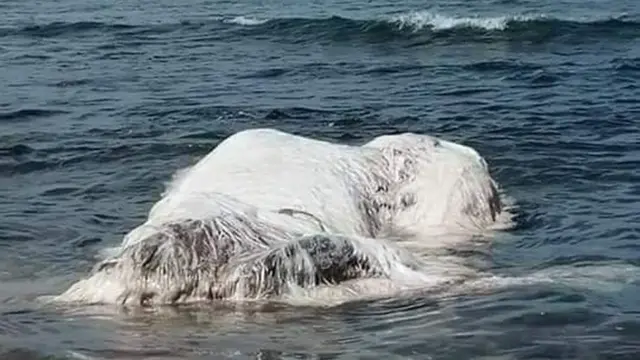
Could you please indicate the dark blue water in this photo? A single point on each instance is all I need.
(102, 101)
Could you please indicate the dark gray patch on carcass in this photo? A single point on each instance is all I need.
(495, 204)
(184, 257)
(307, 262)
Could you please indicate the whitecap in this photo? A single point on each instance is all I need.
(245, 21)
(426, 19)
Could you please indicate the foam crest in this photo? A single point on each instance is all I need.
(245, 21)
(426, 19)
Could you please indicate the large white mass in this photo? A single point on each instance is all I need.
(273, 216)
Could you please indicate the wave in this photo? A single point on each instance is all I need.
(427, 20)
(428, 27)
(26, 114)
(57, 28)
(421, 20)
(242, 20)
(413, 21)
(407, 25)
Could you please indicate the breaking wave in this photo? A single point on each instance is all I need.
(428, 20)
(337, 28)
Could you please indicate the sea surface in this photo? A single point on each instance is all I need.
(102, 101)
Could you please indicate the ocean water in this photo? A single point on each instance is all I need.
(102, 101)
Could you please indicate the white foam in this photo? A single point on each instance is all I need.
(425, 19)
(246, 21)
(603, 278)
